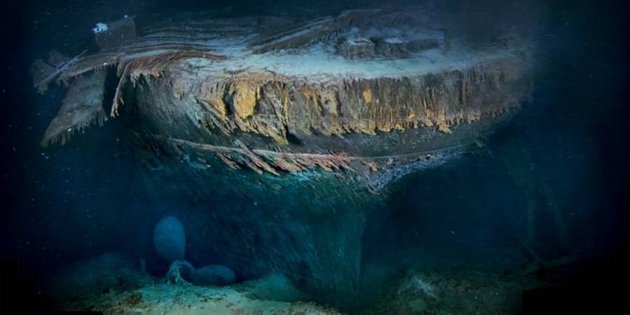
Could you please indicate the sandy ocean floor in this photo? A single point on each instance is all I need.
(112, 284)
(451, 291)
(189, 300)
(411, 292)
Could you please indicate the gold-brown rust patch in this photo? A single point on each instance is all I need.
(328, 99)
(384, 127)
(220, 107)
(367, 96)
(425, 119)
(211, 96)
(473, 115)
(442, 123)
(310, 94)
(332, 109)
(245, 98)
(368, 126)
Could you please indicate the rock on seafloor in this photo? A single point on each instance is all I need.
(449, 290)
(213, 275)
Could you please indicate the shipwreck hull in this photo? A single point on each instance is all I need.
(311, 118)
(359, 126)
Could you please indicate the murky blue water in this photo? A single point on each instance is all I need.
(550, 184)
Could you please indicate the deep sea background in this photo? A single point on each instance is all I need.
(68, 203)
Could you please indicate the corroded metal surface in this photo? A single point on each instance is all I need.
(317, 92)
(312, 116)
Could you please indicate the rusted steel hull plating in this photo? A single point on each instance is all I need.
(268, 103)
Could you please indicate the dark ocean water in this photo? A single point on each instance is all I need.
(70, 203)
